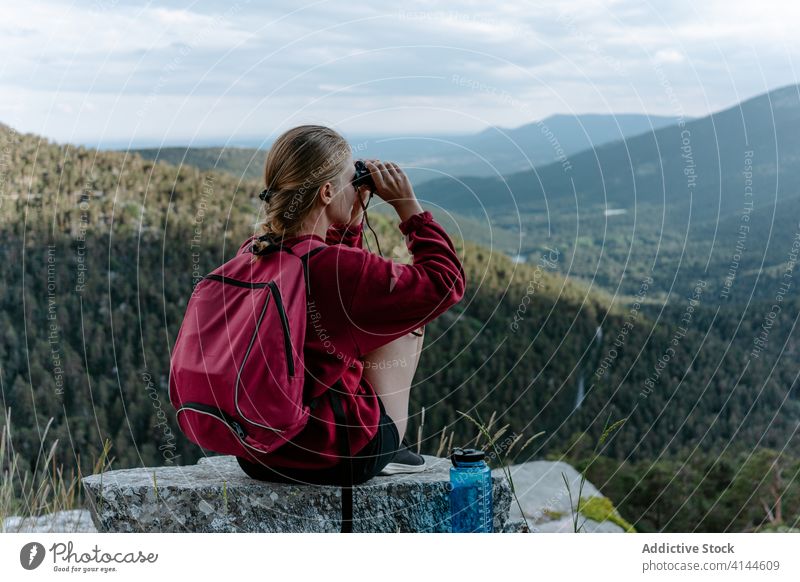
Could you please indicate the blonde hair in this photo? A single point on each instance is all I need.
(298, 164)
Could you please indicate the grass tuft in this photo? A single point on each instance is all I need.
(45, 489)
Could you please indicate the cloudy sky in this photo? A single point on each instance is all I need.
(113, 72)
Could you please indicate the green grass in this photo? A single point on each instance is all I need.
(601, 509)
(579, 508)
(46, 488)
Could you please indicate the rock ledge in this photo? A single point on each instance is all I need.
(215, 495)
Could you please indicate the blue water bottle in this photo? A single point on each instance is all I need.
(470, 492)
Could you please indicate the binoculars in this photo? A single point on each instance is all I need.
(363, 177)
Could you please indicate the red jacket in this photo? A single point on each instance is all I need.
(359, 301)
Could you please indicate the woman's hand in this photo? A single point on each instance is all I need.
(393, 186)
(391, 182)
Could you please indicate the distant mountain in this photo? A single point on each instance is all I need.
(716, 197)
(542, 142)
(699, 163)
(494, 151)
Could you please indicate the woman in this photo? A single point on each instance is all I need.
(365, 312)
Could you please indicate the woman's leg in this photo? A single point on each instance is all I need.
(390, 370)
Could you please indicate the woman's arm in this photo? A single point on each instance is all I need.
(392, 299)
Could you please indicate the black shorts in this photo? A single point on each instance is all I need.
(366, 463)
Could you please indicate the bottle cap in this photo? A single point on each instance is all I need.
(459, 455)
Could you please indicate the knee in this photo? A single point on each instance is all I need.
(396, 349)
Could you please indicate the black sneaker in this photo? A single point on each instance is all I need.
(404, 461)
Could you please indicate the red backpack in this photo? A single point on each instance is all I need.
(236, 370)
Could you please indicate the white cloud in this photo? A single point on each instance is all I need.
(669, 56)
(351, 63)
(56, 29)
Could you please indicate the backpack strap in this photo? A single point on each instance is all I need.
(347, 459)
(304, 258)
(304, 250)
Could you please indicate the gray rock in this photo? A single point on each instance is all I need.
(565, 525)
(541, 490)
(72, 521)
(217, 496)
(545, 500)
(515, 526)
